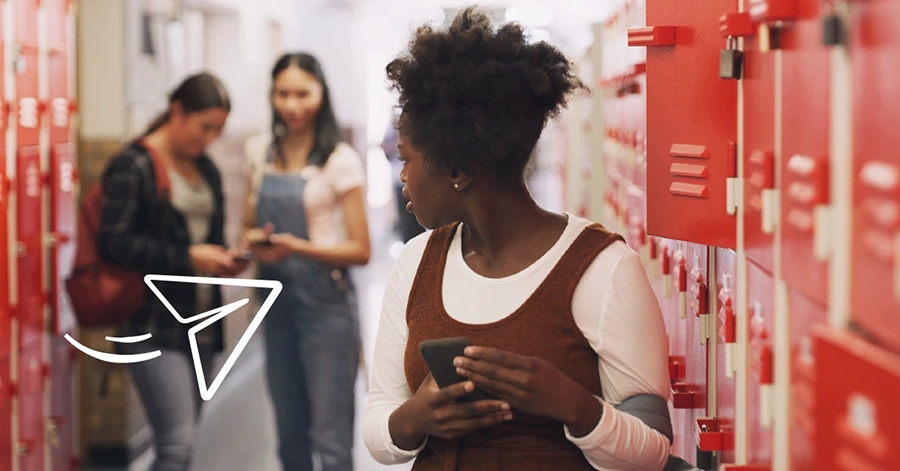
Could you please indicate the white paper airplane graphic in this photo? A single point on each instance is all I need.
(214, 316)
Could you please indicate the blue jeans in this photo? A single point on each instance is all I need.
(312, 364)
(167, 386)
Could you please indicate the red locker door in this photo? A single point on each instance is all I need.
(32, 375)
(637, 228)
(5, 315)
(760, 380)
(62, 219)
(691, 122)
(675, 294)
(720, 435)
(690, 396)
(875, 286)
(27, 109)
(59, 70)
(856, 409)
(760, 198)
(804, 143)
(29, 191)
(805, 316)
(62, 405)
(6, 389)
(4, 106)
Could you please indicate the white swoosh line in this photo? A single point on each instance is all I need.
(112, 357)
(135, 339)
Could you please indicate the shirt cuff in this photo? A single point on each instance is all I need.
(600, 432)
(393, 449)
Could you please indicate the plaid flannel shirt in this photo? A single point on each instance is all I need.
(139, 231)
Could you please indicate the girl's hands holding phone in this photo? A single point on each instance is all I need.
(434, 411)
(256, 236)
(215, 260)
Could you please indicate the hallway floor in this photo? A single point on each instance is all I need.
(237, 430)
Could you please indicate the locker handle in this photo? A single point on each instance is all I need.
(710, 436)
(736, 24)
(651, 36)
(676, 369)
(684, 398)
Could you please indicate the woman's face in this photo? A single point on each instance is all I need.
(193, 132)
(296, 98)
(431, 196)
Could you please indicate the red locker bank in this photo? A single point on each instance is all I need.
(6, 416)
(756, 140)
(62, 181)
(30, 231)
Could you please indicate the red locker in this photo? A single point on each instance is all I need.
(875, 44)
(672, 293)
(62, 220)
(805, 316)
(30, 391)
(6, 416)
(29, 191)
(690, 394)
(856, 409)
(61, 433)
(691, 123)
(59, 70)
(720, 435)
(637, 227)
(5, 315)
(4, 106)
(760, 360)
(804, 143)
(27, 109)
(760, 197)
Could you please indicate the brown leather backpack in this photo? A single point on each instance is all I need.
(104, 294)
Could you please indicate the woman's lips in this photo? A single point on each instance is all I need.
(409, 205)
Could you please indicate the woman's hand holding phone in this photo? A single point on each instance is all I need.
(256, 237)
(215, 260)
(434, 411)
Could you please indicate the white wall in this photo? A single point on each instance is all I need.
(101, 85)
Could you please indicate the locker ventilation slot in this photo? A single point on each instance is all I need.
(693, 171)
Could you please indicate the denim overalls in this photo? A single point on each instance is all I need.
(312, 340)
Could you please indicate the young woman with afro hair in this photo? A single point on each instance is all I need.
(563, 322)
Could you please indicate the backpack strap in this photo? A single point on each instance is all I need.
(163, 184)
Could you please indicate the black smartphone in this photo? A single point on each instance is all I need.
(262, 243)
(439, 355)
(244, 255)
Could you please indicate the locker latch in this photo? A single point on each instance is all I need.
(729, 325)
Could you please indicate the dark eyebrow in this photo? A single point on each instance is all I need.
(400, 146)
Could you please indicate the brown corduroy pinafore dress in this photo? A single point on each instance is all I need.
(543, 326)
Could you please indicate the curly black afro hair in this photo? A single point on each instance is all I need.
(476, 99)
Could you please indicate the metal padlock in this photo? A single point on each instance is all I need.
(730, 62)
(832, 30)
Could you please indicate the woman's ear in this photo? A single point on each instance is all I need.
(176, 110)
(460, 180)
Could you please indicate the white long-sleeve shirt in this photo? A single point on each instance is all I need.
(614, 306)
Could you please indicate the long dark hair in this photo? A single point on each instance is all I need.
(327, 134)
(196, 93)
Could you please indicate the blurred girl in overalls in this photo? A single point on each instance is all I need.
(306, 224)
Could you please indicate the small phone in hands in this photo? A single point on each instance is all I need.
(262, 243)
(439, 355)
(243, 255)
